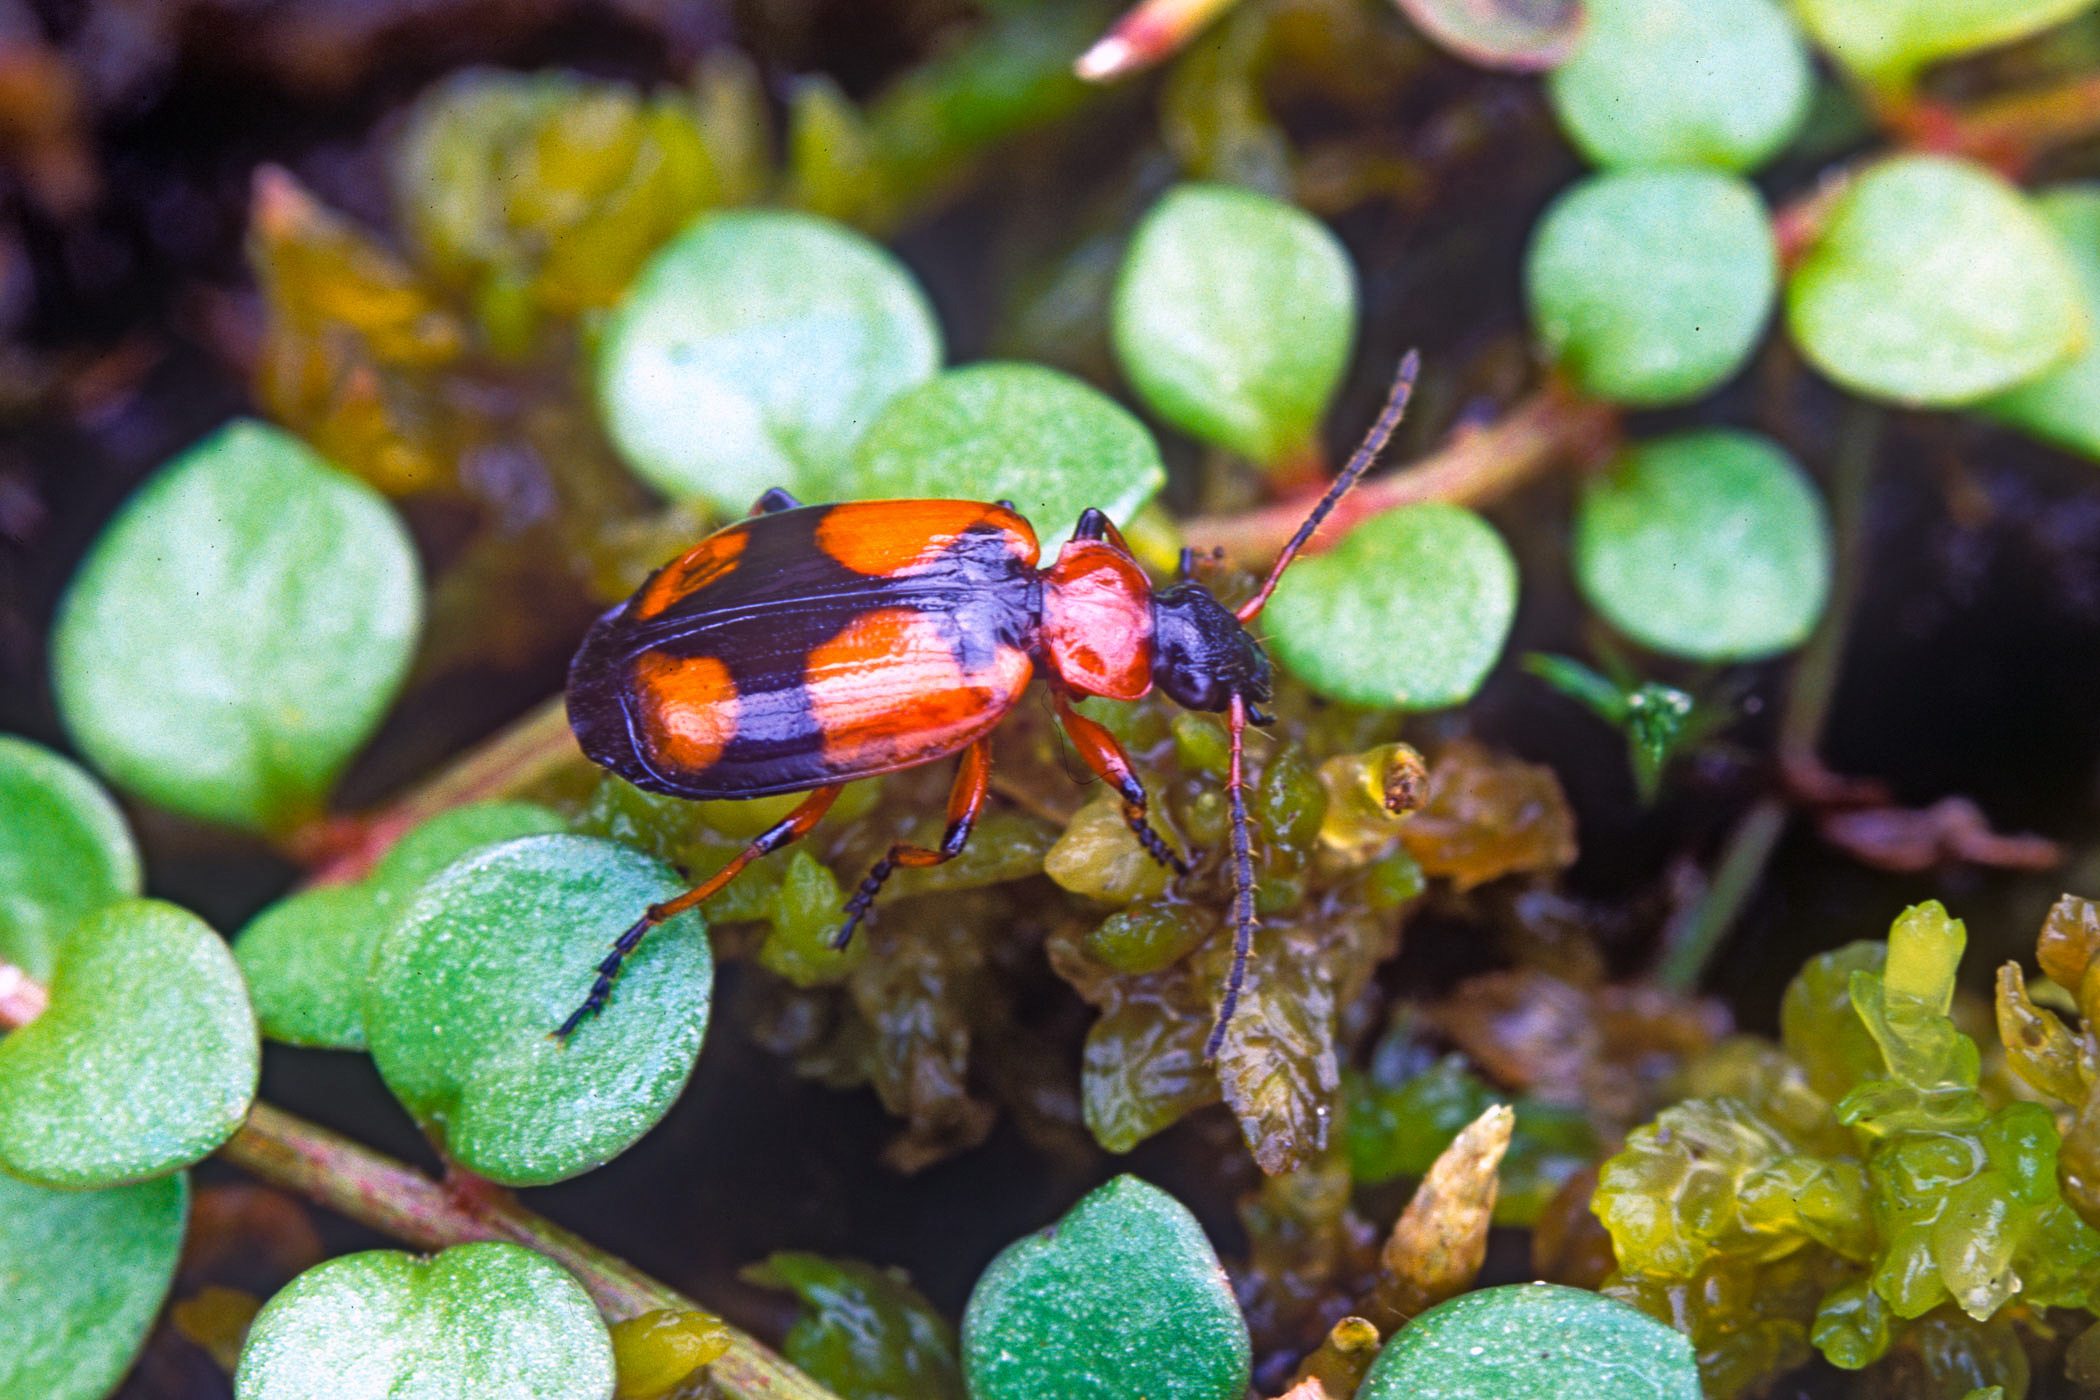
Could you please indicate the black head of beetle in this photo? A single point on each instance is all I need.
(1202, 656)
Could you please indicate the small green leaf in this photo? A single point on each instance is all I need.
(2063, 405)
(469, 984)
(1709, 544)
(1233, 317)
(1887, 41)
(145, 1060)
(1533, 1341)
(1935, 282)
(1409, 611)
(754, 350)
(1651, 287)
(238, 631)
(1123, 1297)
(1720, 83)
(64, 853)
(1519, 36)
(82, 1276)
(306, 956)
(865, 1332)
(491, 1321)
(1011, 432)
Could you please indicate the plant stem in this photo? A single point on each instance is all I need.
(530, 751)
(1479, 465)
(1743, 859)
(2012, 132)
(394, 1198)
(331, 1170)
(1810, 690)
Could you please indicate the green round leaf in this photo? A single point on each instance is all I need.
(1721, 83)
(145, 1060)
(754, 350)
(1002, 432)
(306, 956)
(82, 1276)
(491, 1321)
(1123, 1297)
(64, 853)
(1533, 1341)
(2063, 405)
(1410, 610)
(1651, 287)
(1887, 41)
(238, 631)
(1711, 545)
(1233, 317)
(1935, 282)
(468, 986)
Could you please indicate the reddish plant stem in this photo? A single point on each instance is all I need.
(22, 999)
(530, 751)
(394, 1198)
(1478, 465)
(390, 1196)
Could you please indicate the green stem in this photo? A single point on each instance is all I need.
(394, 1198)
(1742, 865)
(1810, 690)
(332, 1171)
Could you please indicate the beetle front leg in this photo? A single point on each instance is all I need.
(1106, 757)
(973, 779)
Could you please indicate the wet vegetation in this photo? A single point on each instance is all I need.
(1708, 667)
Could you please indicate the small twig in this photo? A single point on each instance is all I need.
(2012, 132)
(1693, 943)
(390, 1196)
(1478, 465)
(394, 1198)
(530, 751)
(22, 998)
(1149, 33)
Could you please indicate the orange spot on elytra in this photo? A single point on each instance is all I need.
(691, 571)
(887, 691)
(688, 708)
(887, 538)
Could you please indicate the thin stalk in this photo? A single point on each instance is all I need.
(1807, 706)
(529, 752)
(1742, 865)
(1479, 465)
(394, 1198)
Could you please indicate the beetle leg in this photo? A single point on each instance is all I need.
(965, 800)
(775, 499)
(1106, 757)
(791, 828)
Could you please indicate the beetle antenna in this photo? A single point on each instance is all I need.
(1242, 881)
(1359, 461)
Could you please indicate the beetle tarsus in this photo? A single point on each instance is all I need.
(609, 971)
(1155, 845)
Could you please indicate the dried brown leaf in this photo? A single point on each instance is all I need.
(1440, 1241)
(1489, 814)
(1913, 839)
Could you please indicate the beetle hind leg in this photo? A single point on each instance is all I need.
(965, 802)
(790, 828)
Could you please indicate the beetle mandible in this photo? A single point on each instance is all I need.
(806, 646)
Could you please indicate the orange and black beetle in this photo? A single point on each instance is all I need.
(807, 646)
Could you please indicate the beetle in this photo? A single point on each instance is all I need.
(809, 645)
